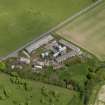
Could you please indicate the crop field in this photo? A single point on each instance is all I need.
(88, 31)
(23, 20)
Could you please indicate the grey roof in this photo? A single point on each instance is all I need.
(70, 45)
(39, 43)
(65, 57)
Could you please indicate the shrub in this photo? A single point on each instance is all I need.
(7, 92)
(2, 66)
(14, 74)
(27, 86)
(2, 95)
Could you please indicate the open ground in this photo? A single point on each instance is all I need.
(23, 20)
(88, 31)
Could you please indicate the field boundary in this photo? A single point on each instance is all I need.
(53, 29)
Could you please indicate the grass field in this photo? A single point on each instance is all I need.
(17, 94)
(23, 20)
(88, 31)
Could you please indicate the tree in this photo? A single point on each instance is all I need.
(2, 66)
(27, 86)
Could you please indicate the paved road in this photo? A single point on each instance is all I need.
(53, 29)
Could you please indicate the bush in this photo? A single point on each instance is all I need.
(2, 66)
(27, 86)
(28, 103)
(7, 92)
(44, 91)
(43, 101)
(14, 74)
(22, 103)
(2, 95)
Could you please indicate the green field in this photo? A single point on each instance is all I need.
(23, 20)
(17, 95)
(88, 31)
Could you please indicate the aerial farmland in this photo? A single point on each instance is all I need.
(23, 20)
(88, 31)
(52, 52)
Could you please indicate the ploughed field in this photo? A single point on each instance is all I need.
(23, 20)
(88, 31)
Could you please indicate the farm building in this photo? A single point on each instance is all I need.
(70, 45)
(39, 43)
(66, 56)
(25, 60)
(61, 50)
